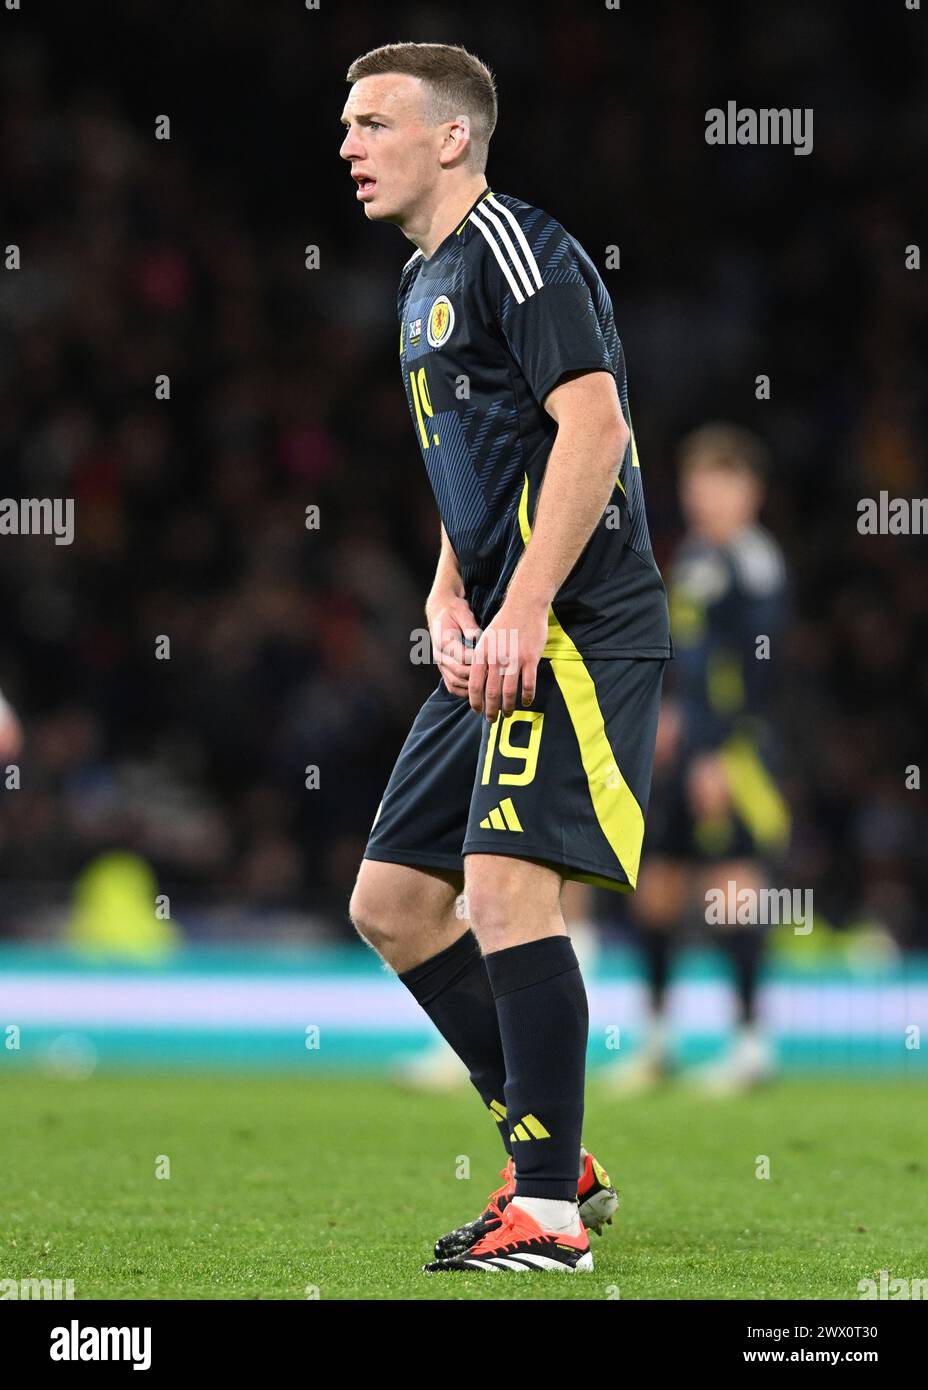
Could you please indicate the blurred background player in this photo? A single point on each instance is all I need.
(717, 816)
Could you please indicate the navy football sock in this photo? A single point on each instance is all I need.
(543, 1022)
(454, 991)
(744, 947)
(657, 946)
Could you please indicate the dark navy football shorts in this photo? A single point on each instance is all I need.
(565, 781)
(756, 826)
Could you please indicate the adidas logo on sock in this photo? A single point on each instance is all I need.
(529, 1127)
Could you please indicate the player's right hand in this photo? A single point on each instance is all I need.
(454, 632)
(707, 787)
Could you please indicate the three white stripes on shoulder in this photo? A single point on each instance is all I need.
(508, 258)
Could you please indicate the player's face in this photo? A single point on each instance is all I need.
(390, 146)
(718, 503)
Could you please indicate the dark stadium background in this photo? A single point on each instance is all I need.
(291, 647)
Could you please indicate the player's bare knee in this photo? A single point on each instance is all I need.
(500, 917)
(489, 911)
(374, 922)
(508, 901)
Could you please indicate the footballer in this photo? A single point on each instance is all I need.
(530, 763)
(718, 816)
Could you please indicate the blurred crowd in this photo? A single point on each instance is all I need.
(289, 644)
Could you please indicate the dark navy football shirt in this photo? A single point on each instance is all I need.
(724, 598)
(505, 307)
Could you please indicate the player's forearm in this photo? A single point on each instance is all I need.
(447, 582)
(578, 484)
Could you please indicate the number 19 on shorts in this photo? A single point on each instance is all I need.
(516, 764)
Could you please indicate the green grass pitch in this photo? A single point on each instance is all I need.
(281, 1185)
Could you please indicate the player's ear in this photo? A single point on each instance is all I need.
(457, 140)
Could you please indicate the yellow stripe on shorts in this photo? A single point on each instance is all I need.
(614, 804)
(754, 794)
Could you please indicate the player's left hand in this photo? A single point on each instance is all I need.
(508, 651)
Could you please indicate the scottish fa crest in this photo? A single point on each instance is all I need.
(441, 321)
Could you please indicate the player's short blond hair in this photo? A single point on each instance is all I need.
(723, 447)
(459, 83)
